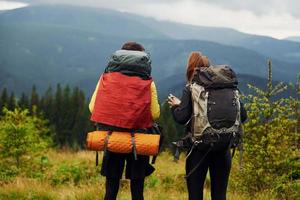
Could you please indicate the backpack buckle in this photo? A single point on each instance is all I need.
(223, 130)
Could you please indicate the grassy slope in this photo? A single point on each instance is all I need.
(167, 183)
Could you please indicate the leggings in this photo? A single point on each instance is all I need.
(218, 163)
(112, 188)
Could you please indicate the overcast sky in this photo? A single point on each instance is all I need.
(276, 18)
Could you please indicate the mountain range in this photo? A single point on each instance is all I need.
(49, 44)
(293, 38)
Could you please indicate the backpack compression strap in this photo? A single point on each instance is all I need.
(133, 146)
(106, 142)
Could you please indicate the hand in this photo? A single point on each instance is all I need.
(173, 101)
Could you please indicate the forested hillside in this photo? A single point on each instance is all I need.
(47, 45)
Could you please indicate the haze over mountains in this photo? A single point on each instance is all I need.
(45, 45)
(293, 38)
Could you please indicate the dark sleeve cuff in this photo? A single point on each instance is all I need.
(173, 108)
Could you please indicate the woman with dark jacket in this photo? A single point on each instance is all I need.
(125, 99)
(218, 162)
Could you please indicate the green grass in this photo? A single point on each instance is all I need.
(73, 175)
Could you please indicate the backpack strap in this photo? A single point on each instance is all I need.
(133, 145)
(97, 153)
(177, 152)
(153, 160)
(199, 163)
(233, 152)
(106, 142)
(105, 154)
(97, 158)
(158, 130)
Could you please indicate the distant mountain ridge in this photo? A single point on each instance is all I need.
(179, 83)
(109, 22)
(274, 48)
(99, 19)
(293, 38)
(45, 45)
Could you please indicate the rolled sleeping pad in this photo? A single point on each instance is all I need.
(121, 142)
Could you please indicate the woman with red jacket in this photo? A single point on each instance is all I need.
(125, 99)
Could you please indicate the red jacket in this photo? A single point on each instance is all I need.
(123, 101)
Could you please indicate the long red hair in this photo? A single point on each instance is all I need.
(194, 61)
(206, 62)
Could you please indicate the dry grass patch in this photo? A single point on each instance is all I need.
(73, 176)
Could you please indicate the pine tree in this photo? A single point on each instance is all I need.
(295, 105)
(4, 99)
(75, 109)
(34, 100)
(81, 120)
(23, 101)
(47, 104)
(268, 137)
(21, 134)
(67, 114)
(58, 109)
(11, 102)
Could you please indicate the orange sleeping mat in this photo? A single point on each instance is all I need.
(121, 142)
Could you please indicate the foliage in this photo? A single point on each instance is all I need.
(171, 131)
(68, 174)
(8, 172)
(22, 135)
(167, 182)
(66, 110)
(269, 140)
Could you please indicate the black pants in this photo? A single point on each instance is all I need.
(218, 163)
(136, 170)
(112, 188)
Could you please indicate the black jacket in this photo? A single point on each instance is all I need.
(183, 112)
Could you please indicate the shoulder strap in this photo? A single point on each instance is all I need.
(199, 102)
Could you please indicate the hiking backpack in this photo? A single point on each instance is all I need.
(216, 119)
(216, 107)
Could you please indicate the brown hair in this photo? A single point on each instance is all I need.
(194, 61)
(206, 62)
(133, 46)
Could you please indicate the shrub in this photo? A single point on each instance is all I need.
(22, 135)
(269, 140)
(151, 182)
(72, 174)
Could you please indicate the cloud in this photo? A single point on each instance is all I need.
(202, 13)
(8, 5)
(257, 7)
(277, 18)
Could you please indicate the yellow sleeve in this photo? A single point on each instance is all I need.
(93, 99)
(155, 109)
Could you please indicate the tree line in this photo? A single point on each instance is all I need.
(65, 109)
